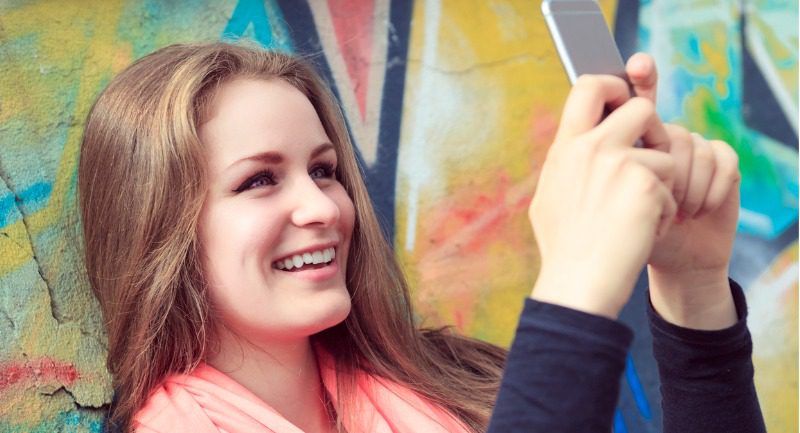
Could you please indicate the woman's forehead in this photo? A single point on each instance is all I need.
(252, 116)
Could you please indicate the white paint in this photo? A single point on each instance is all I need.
(765, 304)
(451, 109)
(756, 222)
(417, 145)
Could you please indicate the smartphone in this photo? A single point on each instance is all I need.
(582, 38)
(584, 42)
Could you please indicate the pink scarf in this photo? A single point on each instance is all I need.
(208, 401)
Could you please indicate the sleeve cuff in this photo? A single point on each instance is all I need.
(584, 326)
(703, 337)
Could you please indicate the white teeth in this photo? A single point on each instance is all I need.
(298, 260)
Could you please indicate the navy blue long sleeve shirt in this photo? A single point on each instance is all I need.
(563, 374)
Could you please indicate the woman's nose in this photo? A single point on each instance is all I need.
(313, 205)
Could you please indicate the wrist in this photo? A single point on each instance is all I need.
(693, 299)
(578, 291)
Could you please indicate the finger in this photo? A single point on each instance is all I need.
(634, 119)
(659, 163)
(668, 211)
(726, 176)
(641, 70)
(660, 206)
(681, 149)
(586, 103)
(703, 166)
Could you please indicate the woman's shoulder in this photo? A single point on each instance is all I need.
(177, 403)
(204, 400)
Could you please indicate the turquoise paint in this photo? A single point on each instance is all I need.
(8, 210)
(77, 421)
(34, 198)
(264, 25)
(769, 169)
(694, 48)
(37, 193)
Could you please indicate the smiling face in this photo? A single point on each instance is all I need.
(276, 224)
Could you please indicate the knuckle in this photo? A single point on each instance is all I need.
(735, 175)
(615, 161)
(680, 135)
(587, 81)
(644, 180)
(703, 154)
(727, 153)
(645, 105)
(649, 183)
(670, 165)
(584, 149)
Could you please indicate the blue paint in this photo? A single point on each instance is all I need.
(637, 389)
(269, 29)
(33, 198)
(619, 422)
(694, 48)
(36, 193)
(75, 419)
(7, 210)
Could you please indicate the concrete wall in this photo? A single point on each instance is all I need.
(452, 105)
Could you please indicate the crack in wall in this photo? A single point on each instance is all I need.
(479, 65)
(64, 390)
(20, 246)
(4, 315)
(25, 223)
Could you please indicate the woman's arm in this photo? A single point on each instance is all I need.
(707, 376)
(602, 210)
(562, 373)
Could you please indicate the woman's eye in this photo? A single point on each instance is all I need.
(263, 178)
(322, 171)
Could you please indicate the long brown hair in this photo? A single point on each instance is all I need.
(141, 186)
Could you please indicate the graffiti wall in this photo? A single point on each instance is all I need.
(452, 105)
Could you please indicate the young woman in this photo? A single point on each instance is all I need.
(246, 285)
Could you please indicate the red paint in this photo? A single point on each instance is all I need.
(353, 24)
(455, 227)
(38, 371)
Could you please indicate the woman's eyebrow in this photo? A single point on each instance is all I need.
(322, 148)
(270, 157)
(273, 157)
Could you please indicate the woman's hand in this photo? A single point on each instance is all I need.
(688, 269)
(600, 202)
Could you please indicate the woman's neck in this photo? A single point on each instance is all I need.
(284, 375)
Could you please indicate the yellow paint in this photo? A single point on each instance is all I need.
(101, 48)
(66, 27)
(775, 343)
(27, 407)
(498, 59)
(716, 57)
(15, 247)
